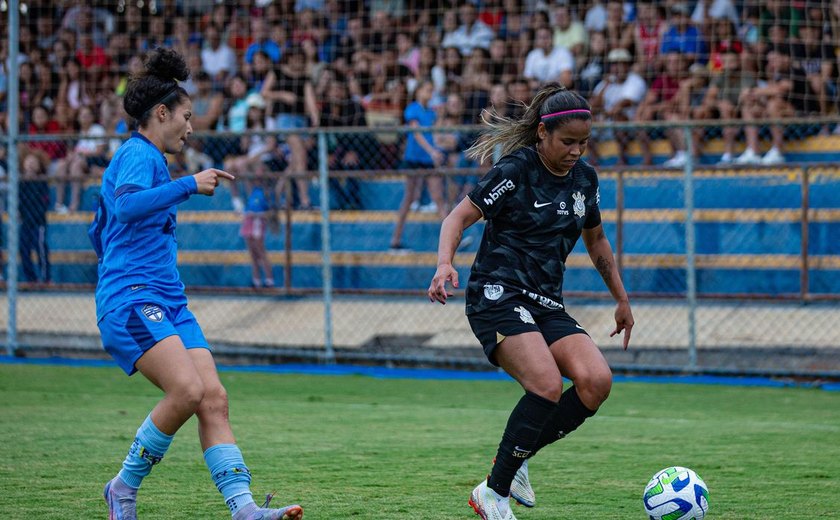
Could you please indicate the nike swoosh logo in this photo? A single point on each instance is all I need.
(538, 205)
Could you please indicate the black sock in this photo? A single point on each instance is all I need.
(521, 434)
(567, 416)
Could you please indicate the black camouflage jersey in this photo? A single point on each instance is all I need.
(534, 219)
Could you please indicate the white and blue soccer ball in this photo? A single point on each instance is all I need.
(676, 493)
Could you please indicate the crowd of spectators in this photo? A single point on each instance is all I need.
(308, 63)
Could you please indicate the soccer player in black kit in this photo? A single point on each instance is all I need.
(537, 200)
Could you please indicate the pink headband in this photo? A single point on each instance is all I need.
(567, 112)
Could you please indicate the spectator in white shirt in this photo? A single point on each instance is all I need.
(616, 98)
(471, 33)
(546, 63)
(217, 58)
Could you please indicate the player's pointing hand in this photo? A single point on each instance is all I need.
(206, 181)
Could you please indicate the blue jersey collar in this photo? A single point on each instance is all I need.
(142, 137)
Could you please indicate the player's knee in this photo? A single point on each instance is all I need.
(215, 401)
(550, 388)
(190, 394)
(594, 387)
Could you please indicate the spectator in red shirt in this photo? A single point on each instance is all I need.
(724, 39)
(647, 34)
(43, 124)
(92, 57)
(659, 100)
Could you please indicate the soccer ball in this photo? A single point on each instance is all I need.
(676, 493)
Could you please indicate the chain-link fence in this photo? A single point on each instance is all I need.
(323, 247)
(759, 243)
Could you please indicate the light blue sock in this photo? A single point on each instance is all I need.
(230, 474)
(148, 449)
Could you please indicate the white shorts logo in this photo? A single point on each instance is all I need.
(493, 292)
(543, 300)
(153, 312)
(525, 315)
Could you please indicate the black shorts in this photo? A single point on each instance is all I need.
(517, 315)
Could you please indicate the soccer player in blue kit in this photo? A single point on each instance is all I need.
(538, 200)
(141, 306)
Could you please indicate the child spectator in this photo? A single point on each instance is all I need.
(34, 202)
(420, 154)
(260, 215)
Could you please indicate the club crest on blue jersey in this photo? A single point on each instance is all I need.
(580, 209)
(153, 312)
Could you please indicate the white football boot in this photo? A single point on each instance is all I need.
(520, 488)
(489, 505)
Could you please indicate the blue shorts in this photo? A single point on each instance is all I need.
(129, 331)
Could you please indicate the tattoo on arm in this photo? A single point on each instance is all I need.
(604, 267)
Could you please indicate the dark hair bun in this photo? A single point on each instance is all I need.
(167, 64)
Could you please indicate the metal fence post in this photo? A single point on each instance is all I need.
(619, 222)
(326, 260)
(804, 275)
(690, 251)
(12, 229)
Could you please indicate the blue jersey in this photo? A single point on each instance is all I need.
(425, 117)
(133, 232)
(258, 202)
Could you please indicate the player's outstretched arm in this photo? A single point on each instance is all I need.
(602, 257)
(464, 215)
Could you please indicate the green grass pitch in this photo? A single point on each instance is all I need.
(358, 447)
